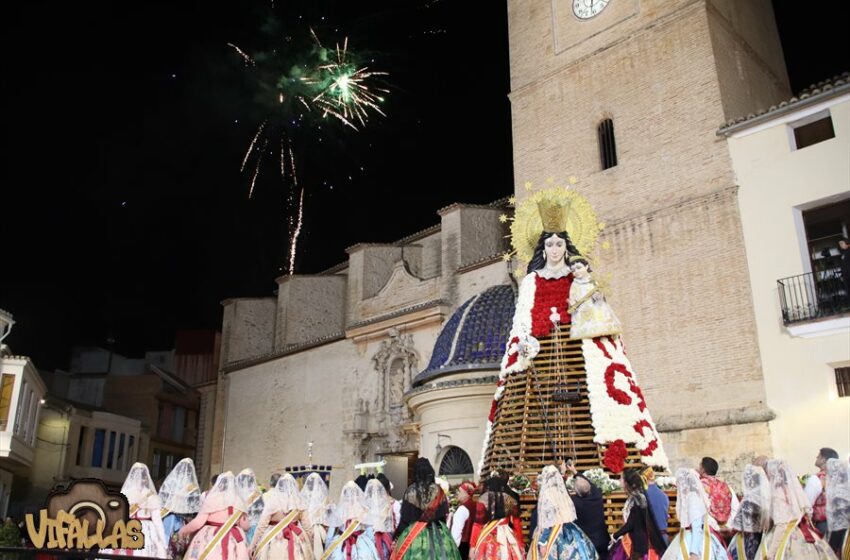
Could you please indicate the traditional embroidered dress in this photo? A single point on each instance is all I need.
(145, 506)
(723, 502)
(351, 539)
(557, 537)
(181, 500)
(279, 534)
(380, 517)
(838, 506)
(590, 314)
(792, 537)
(500, 537)
(252, 495)
(463, 519)
(618, 410)
(422, 533)
(639, 537)
(315, 520)
(699, 534)
(219, 528)
(815, 490)
(752, 519)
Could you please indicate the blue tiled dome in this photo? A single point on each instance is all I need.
(475, 335)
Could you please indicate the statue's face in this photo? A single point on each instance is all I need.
(580, 270)
(555, 248)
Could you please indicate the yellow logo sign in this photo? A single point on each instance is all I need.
(85, 515)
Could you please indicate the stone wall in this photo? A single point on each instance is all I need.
(309, 307)
(248, 328)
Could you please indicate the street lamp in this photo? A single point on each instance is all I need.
(439, 445)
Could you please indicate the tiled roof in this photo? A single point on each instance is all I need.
(474, 336)
(812, 94)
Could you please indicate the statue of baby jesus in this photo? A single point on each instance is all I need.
(591, 315)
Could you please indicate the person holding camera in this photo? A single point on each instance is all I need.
(590, 511)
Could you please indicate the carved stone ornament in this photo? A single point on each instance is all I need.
(395, 362)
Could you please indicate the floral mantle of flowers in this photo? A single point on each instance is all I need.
(454, 502)
(520, 484)
(617, 406)
(603, 481)
(600, 479)
(665, 482)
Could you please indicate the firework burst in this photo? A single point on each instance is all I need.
(300, 91)
(345, 91)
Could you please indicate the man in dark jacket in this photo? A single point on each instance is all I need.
(590, 512)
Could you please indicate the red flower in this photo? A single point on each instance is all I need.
(549, 294)
(619, 395)
(652, 445)
(601, 345)
(493, 407)
(650, 449)
(615, 457)
(513, 354)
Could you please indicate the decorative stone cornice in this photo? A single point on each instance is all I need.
(440, 385)
(413, 316)
(291, 349)
(716, 418)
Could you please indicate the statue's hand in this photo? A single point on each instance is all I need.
(597, 297)
(555, 317)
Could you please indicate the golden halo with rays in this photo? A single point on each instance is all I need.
(578, 219)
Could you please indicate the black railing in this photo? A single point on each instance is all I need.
(804, 297)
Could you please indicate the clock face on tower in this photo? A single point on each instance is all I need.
(586, 9)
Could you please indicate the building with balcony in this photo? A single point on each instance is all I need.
(792, 167)
(22, 393)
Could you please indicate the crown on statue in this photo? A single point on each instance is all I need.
(552, 214)
(553, 210)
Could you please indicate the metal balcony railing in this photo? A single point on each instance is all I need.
(805, 297)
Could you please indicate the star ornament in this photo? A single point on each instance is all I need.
(503, 218)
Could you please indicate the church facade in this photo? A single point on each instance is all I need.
(391, 354)
(350, 365)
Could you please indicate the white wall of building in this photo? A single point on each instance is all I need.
(275, 408)
(776, 183)
(17, 437)
(453, 416)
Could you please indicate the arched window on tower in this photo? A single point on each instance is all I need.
(607, 144)
(456, 462)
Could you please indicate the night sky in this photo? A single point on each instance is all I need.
(124, 212)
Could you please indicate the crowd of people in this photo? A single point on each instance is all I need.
(235, 519)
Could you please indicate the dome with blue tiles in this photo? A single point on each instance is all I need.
(475, 335)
